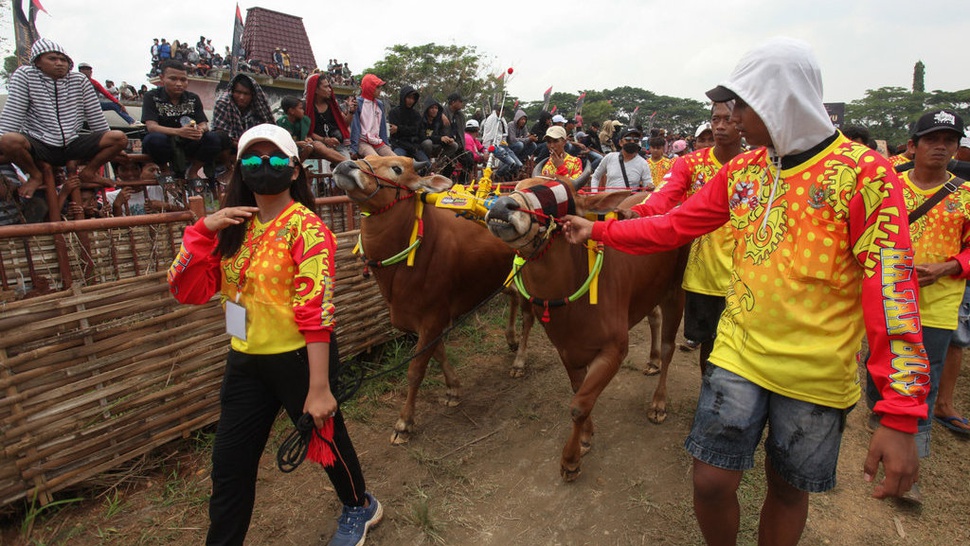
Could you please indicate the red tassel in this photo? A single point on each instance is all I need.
(545, 313)
(319, 450)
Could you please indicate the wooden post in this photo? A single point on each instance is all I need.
(197, 206)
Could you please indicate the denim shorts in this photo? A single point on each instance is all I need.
(803, 438)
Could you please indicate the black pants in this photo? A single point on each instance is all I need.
(254, 388)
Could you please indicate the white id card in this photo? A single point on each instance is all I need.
(236, 320)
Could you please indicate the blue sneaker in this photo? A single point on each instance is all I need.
(355, 521)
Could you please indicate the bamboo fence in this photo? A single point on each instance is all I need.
(113, 367)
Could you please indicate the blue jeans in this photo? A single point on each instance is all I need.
(509, 163)
(523, 149)
(108, 105)
(803, 438)
(417, 154)
(936, 341)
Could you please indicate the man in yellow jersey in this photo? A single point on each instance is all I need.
(708, 274)
(659, 163)
(822, 256)
(941, 245)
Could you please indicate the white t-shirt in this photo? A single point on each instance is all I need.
(637, 173)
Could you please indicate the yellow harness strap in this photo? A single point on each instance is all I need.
(591, 253)
(418, 215)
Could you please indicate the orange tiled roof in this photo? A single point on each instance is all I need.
(265, 30)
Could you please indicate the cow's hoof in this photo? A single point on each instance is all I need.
(517, 371)
(657, 415)
(569, 475)
(452, 398)
(652, 369)
(585, 446)
(401, 434)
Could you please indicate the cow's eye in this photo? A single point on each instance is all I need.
(397, 170)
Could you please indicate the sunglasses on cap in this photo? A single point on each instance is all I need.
(252, 162)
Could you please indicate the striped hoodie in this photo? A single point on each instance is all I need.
(48, 110)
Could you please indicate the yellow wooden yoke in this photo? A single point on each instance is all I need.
(471, 206)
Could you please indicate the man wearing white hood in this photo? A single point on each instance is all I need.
(822, 247)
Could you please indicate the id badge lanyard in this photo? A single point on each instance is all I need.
(236, 311)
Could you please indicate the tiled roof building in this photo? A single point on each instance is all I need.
(265, 30)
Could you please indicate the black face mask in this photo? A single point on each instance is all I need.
(268, 181)
(631, 147)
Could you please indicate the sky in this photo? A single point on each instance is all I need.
(668, 47)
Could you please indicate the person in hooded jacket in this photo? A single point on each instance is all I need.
(405, 122)
(521, 141)
(368, 130)
(242, 107)
(329, 132)
(539, 128)
(433, 129)
(41, 121)
(823, 255)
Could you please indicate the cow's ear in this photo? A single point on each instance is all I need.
(436, 183)
(600, 203)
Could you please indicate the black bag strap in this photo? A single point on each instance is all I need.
(623, 169)
(949, 187)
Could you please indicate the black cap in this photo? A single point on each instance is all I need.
(631, 131)
(938, 120)
(721, 94)
(455, 96)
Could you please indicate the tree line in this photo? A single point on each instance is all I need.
(437, 70)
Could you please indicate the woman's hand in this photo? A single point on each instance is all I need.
(223, 218)
(320, 404)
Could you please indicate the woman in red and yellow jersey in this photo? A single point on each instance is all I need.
(271, 259)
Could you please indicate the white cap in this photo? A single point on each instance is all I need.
(965, 142)
(558, 119)
(706, 126)
(268, 132)
(471, 123)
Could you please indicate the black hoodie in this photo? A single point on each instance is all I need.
(433, 129)
(543, 122)
(408, 122)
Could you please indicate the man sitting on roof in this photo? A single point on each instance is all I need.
(41, 121)
(178, 129)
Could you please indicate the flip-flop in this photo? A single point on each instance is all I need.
(950, 423)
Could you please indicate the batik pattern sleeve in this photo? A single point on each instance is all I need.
(313, 286)
(706, 211)
(879, 234)
(671, 193)
(195, 275)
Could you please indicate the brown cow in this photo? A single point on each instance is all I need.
(592, 340)
(456, 266)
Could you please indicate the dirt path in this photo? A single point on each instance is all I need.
(487, 472)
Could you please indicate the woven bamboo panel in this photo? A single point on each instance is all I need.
(102, 373)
